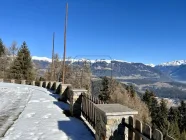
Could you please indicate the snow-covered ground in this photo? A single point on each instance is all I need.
(42, 116)
(12, 102)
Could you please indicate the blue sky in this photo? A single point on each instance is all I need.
(148, 31)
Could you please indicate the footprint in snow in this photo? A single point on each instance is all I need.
(46, 116)
(30, 115)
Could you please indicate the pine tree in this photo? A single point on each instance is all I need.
(173, 115)
(153, 108)
(147, 97)
(161, 121)
(182, 116)
(2, 48)
(132, 91)
(163, 108)
(22, 67)
(105, 92)
(170, 129)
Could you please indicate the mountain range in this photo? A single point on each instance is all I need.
(175, 70)
(164, 79)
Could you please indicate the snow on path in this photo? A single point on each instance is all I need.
(43, 119)
(12, 102)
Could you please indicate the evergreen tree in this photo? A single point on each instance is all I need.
(182, 116)
(163, 108)
(22, 67)
(105, 92)
(170, 129)
(161, 118)
(132, 91)
(2, 48)
(127, 88)
(173, 115)
(154, 108)
(147, 97)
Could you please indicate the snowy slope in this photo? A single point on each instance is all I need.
(174, 63)
(77, 59)
(41, 58)
(43, 119)
(151, 65)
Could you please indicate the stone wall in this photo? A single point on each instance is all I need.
(109, 119)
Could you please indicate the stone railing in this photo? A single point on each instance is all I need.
(107, 121)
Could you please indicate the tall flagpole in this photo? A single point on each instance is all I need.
(64, 53)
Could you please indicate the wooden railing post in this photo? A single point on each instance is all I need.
(147, 131)
(138, 127)
(130, 132)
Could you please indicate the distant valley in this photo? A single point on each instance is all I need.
(162, 79)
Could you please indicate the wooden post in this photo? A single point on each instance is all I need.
(131, 123)
(52, 69)
(138, 127)
(147, 131)
(64, 55)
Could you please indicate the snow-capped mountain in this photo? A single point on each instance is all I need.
(174, 69)
(41, 58)
(77, 60)
(151, 65)
(103, 67)
(174, 63)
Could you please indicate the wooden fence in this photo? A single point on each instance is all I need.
(141, 131)
(136, 129)
(88, 109)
